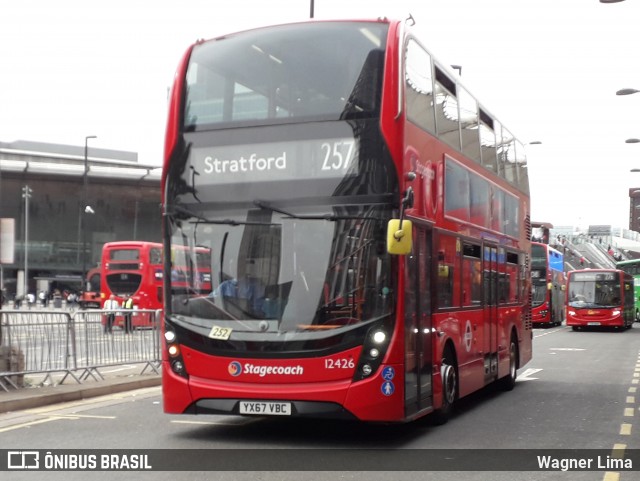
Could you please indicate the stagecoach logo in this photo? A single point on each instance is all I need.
(235, 368)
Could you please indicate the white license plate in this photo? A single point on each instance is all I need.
(593, 323)
(265, 408)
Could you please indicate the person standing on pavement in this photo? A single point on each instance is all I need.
(110, 305)
(128, 306)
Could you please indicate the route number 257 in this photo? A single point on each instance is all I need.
(337, 155)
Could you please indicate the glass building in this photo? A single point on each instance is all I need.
(66, 202)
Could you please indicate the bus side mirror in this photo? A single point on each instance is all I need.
(399, 237)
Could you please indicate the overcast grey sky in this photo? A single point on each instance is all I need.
(548, 69)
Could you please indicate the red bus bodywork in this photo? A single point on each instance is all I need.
(461, 314)
(132, 269)
(548, 285)
(600, 298)
(90, 295)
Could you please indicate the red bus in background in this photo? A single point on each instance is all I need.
(191, 270)
(547, 285)
(600, 298)
(90, 295)
(132, 269)
(369, 227)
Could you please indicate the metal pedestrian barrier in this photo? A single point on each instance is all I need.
(76, 345)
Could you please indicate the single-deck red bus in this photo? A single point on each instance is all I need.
(547, 284)
(600, 298)
(369, 227)
(133, 269)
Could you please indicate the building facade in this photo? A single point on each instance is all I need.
(66, 201)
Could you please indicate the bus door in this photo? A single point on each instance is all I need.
(490, 338)
(417, 323)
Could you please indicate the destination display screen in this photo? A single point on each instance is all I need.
(593, 276)
(331, 158)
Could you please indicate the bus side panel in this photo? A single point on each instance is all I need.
(465, 329)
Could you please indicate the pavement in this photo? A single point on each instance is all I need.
(70, 390)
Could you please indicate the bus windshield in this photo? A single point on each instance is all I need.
(281, 273)
(255, 77)
(592, 291)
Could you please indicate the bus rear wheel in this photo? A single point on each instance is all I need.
(508, 382)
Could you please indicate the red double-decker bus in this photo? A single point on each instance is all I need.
(368, 222)
(547, 284)
(600, 298)
(132, 269)
(191, 270)
(90, 294)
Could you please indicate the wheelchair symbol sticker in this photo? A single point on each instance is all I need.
(388, 373)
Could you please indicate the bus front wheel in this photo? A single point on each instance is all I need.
(449, 375)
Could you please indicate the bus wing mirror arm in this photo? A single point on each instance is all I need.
(399, 231)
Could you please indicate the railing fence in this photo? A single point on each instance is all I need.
(76, 345)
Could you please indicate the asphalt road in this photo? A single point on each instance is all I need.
(579, 392)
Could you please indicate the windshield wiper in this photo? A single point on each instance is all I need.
(182, 213)
(329, 217)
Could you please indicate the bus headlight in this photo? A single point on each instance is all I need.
(373, 350)
(616, 312)
(379, 337)
(177, 367)
(173, 352)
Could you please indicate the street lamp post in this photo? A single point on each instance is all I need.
(26, 195)
(85, 209)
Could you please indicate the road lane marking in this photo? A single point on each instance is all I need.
(566, 349)
(625, 429)
(546, 333)
(525, 376)
(618, 451)
(611, 477)
(32, 423)
(633, 389)
(628, 412)
(631, 399)
(222, 422)
(83, 416)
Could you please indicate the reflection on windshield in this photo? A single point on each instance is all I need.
(285, 270)
(539, 292)
(593, 294)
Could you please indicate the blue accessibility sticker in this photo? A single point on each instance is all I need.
(388, 373)
(387, 388)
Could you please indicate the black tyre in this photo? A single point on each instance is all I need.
(508, 382)
(449, 375)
